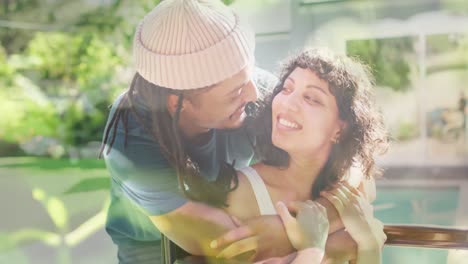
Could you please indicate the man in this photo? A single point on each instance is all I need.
(166, 137)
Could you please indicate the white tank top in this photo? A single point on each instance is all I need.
(265, 205)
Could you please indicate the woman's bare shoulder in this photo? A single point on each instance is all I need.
(242, 202)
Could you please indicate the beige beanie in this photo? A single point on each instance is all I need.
(189, 44)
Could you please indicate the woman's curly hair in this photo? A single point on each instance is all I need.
(365, 134)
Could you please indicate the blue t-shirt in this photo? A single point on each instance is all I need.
(144, 183)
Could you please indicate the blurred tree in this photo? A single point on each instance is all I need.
(386, 58)
(6, 71)
(450, 50)
(78, 72)
(25, 113)
(11, 6)
(72, 51)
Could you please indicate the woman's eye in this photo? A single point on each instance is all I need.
(312, 100)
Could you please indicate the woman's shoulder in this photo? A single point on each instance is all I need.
(357, 179)
(240, 200)
(267, 173)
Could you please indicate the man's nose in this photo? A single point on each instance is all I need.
(251, 92)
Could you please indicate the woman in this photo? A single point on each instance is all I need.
(318, 122)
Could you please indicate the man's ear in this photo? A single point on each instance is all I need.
(172, 101)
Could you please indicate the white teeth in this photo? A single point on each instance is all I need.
(287, 123)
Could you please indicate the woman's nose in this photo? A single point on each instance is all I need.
(291, 102)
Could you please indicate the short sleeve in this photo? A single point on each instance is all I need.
(141, 173)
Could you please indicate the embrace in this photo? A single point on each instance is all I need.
(229, 161)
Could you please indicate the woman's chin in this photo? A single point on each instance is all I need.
(280, 143)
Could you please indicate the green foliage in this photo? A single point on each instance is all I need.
(57, 212)
(406, 131)
(22, 119)
(55, 208)
(82, 58)
(23, 236)
(96, 62)
(104, 19)
(113, 21)
(23, 115)
(81, 126)
(386, 57)
(75, 70)
(18, 5)
(228, 2)
(81, 69)
(55, 52)
(6, 72)
(8, 149)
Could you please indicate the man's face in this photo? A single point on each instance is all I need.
(221, 106)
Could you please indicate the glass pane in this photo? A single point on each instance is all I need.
(393, 62)
(445, 97)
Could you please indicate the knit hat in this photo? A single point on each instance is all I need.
(189, 44)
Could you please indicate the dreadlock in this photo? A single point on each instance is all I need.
(167, 134)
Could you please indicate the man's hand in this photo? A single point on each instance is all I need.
(264, 236)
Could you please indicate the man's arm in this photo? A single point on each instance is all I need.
(193, 226)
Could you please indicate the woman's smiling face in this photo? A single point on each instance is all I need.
(305, 114)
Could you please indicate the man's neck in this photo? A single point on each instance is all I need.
(194, 134)
(201, 138)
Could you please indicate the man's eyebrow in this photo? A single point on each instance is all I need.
(238, 87)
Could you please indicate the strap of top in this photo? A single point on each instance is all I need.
(264, 202)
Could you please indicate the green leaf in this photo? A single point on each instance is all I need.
(27, 235)
(90, 184)
(57, 212)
